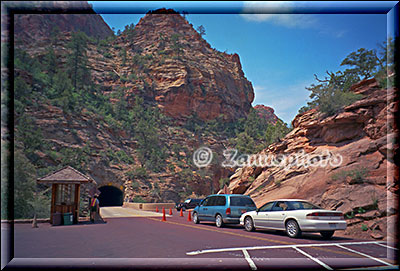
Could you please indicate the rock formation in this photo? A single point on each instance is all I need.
(350, 163)
(162, 59)
(30, 28)
(267, 113)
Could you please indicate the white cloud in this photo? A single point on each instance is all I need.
(258, 88)
(340, 33)
(285, 100)
(264, 12)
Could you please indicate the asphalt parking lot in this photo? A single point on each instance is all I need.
(146, 241)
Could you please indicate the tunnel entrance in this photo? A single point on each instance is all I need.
(110, 196)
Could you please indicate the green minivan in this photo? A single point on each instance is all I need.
(223, 209)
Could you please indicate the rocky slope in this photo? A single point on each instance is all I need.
(185, 74)
(353, 169)
(162, 59)
(267, 113)
(30, 28)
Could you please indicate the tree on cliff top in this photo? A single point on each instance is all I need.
(364, 63)
(201, 29)
(332, 93)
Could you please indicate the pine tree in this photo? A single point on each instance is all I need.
(201, 29)
(77, 61)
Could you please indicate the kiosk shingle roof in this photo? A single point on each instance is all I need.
(66, 175)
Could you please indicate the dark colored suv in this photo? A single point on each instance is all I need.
(188, 204)
(223, 209)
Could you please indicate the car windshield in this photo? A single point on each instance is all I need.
(242, 201)
(187, 201)
(301, 205)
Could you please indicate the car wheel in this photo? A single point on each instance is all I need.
(196, 219)
(218, 221)
(293, 229)
(248, 224)
(327, 234)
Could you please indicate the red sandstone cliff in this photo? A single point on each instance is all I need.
(267, 113)
(364, 186)
(30, 28)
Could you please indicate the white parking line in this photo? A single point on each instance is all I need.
(386, 246)
(363, 254)
(312, 258)
(249, 260)
(192, 253)
(296, 247)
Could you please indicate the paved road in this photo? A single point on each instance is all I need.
(147, 241)
(115, 211)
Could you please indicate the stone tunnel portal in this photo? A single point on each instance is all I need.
(110, 196)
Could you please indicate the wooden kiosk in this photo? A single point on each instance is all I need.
(65, 194)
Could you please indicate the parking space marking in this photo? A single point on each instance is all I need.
(278, 246)
(253, 237)
(363, 254)
(249, 260)
(386, 246)
(296, 247)
(312, 258)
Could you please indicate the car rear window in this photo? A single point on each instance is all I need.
(301, 205)
(242, 201)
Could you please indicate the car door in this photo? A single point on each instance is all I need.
(277, 215)
(261, 217)
(203, 209)
(220, 202)
(210, 212)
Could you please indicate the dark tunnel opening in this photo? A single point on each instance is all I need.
(110, 196)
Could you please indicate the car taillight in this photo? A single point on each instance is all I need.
(321, 215)
(228, 211)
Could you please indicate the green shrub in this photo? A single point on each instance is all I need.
(132, 77)
(123, 79)
(364, 227)
(171, 167)
(335, 101)
(135, 184)
(350, 215)
(137, 173)
(261, 186)
(107, 55)
(123, 157)
(138, 199)
(357, 175)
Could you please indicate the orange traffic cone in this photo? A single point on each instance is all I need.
(170, 211)
(163, 215)
(181, 213)
(156, 209)
(189, 217)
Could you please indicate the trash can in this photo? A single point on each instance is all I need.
(68, 219)
(57, 219)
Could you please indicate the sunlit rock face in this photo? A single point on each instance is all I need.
(363, 136)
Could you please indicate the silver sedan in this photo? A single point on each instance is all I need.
(294, 216)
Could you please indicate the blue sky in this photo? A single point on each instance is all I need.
(280, 53)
